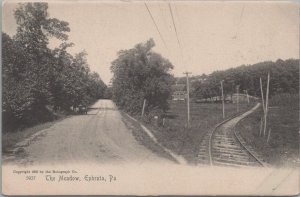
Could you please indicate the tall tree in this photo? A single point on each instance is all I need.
(37, 79)
(16, 97)
(140, 73)
(33, 32)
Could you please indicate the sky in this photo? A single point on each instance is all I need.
(210, 35)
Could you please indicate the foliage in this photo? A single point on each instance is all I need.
(284, 79)
(108, 93)
(37, 79)
(282, 148)
(289, 101)
(140, 73)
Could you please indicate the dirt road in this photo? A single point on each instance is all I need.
(100, 136)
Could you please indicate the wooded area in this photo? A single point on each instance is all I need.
(284, 79)
(39, 81)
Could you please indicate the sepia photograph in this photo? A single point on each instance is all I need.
(128, 97)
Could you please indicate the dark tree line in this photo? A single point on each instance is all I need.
(37, 80)
(138, 74)
(284, 79)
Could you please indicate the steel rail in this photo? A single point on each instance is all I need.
(236, 136)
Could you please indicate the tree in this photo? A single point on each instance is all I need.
(16, 97)
(108, 93)
(37, 79)
(34, 28)
(60, 77)
(138, 74)
(284, 79)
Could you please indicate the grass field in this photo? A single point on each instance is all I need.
(175, 136)
(283, 146)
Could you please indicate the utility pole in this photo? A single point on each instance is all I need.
(267, 104)
(262, 96)
(143, 109)
(263, 106)
(223, 99)
(188, 97)
(237, 97)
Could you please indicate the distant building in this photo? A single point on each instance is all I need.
(178, 92)
(242, 98)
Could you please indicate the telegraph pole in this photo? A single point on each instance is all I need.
(267, 104)
(223, 99)
(143, 109)
(188, 97)
(237, 97)
(262, 96)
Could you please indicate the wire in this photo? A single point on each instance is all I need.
(174, 25)
(161, 37)
(238, 26)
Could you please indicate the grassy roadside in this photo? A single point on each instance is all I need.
(10, 139)
(186, 142)
(283, 147)
(143, 138)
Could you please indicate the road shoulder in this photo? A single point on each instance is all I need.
(144, 139)
(13, 143)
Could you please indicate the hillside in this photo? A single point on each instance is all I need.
(284, 79)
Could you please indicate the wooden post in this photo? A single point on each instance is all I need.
(237, 97)
(223, 99)
(247, 97)
(269, 135)
(143, 110)
(188, 98)
(261, 125)
(263, 102)
(267, 104)
(262, 96)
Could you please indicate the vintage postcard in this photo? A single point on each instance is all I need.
(150, 97)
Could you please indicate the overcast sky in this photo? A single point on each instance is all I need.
(213, 35)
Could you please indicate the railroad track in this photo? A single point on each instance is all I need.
(225, 147)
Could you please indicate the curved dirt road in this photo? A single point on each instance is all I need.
(98, 137)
